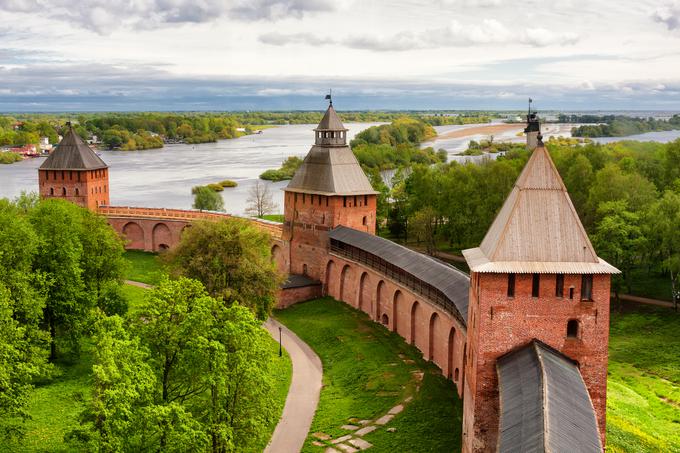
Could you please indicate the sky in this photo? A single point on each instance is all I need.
(109, 55)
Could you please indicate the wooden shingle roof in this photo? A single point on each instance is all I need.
(537, 230)
(330, 169)
(330, 121)
(544, 403)
(72, 153)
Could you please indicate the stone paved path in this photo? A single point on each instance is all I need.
(303, 394)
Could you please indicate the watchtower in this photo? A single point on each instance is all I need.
(535, 277)
(329, 189)
(75, 173)
(533, 129)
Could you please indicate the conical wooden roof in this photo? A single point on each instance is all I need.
(537, 230)
(72, 153)
(331, 168)
(330, 121)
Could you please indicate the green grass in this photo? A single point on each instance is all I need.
(282, 371)
(365, 376)
(134, 296)
(143, 267)
(273, 217)
(643, 394)
(55, 405)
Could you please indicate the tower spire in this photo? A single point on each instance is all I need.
(329, 96)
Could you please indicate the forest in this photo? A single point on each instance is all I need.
(618, 125)
(138, 131)
(187, 365)
(627, 195)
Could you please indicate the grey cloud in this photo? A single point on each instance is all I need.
(279, 9)
(282, 39)
(102, 16)
(487, 31)
(669, 15)
(74, 87)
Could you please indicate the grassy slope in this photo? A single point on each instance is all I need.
(144, 267)
(364, 377)
(643, 395)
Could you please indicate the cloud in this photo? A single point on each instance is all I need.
(103, 16)
(485, 32)
(279, 9)
(669, 15)
(281, 39)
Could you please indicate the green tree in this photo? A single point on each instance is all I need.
(232, 258)
(124, 384)
(662, 227)
(102, 263)
(207, 199)
(618, 238)
(23, 345)
(210, 359)
(423, 227)
(58, 257)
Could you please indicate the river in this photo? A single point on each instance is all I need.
(164, 177)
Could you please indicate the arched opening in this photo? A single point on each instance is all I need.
(379, 302)
(452, 349)
(51, 190)
(572, 328)
(385, 320)
(330, 267)
(161, 237)
(277, 257)
(434, 321)
(364, 298)
(455, 375)
(344, 283)
(396, 305)
(134, 234)
(415, 308)
(63, 191)
(304, 269)
(77, 192)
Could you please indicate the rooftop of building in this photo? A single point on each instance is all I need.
(544, 403)
(333, 169)
(538, 229)
(72, 153)
(451, 282)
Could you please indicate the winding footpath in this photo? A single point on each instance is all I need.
(303, 394)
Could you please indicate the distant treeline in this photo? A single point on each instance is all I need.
(618, 125)
(134, 131)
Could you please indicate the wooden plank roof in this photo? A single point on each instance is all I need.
(544, 403)
(451, 282)
(330, 169)
(537, 229)
(72, 153)
(330, 121)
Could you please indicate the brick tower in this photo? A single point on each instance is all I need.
(328, 190)
(75, 173)
(534, 278)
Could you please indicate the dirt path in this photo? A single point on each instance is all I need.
(303, 394)
(138, 284)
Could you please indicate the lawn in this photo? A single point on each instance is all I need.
(273, 217)
(643, 394)
(143, 267)
(367, 371)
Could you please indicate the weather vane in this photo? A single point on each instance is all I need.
(329, 96)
